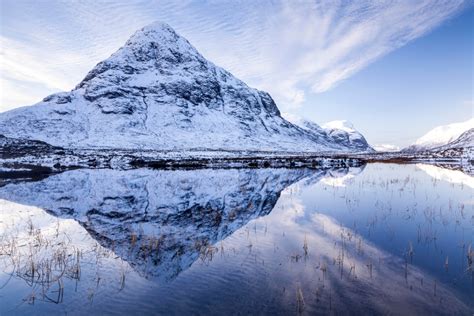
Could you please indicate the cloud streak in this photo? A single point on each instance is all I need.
(287, 48)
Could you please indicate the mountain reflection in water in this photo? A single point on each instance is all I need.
(205, 241)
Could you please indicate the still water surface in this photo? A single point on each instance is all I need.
(385, 239)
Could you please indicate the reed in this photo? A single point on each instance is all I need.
(305, 245)
(300, 303)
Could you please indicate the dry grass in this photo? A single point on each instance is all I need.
(300, 303)
(45, 259)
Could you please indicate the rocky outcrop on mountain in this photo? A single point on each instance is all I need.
(158, 92)
(13, 147)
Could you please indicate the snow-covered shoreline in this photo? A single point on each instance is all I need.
(23, 159)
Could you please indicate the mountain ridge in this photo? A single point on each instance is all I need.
(339, 131)
(441, 136)
(158, 92)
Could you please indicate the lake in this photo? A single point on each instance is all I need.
(379, 239)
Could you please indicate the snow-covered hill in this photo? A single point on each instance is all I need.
(441, 136)
(341, 133)
(465, 140)
(158, 92)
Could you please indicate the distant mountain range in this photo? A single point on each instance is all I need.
(158, 92)
(451, 136)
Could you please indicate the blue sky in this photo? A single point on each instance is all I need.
(427, 83)
(395, 69)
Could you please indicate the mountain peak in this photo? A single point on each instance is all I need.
(340, 124)
(150, 56)
(157, 26)
(441, 135)
(154, 32)
(444, 134)
(158, 92)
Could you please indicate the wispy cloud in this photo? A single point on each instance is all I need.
(287, 48)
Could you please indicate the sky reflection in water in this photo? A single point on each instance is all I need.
(384, 238)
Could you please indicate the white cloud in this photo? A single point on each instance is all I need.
(289, 49)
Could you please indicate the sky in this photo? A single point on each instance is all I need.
(395, 69)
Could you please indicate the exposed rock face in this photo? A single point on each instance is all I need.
(13, 148)
(158, 92)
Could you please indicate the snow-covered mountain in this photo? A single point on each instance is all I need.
(340, 132)
(442, 136)
(158, 92)
(343, 132)
(465, 140)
